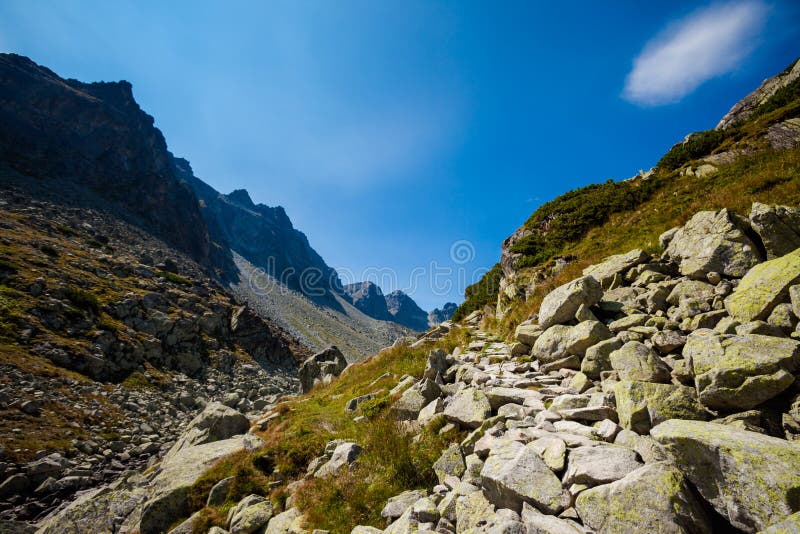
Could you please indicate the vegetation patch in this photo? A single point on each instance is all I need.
(480, 293)
(83, 299)
(175, 278)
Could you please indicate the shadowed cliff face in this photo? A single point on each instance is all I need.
(406, 312)
(70, 136)
(265, 237)
(368, 297)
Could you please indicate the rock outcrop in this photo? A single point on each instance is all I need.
(321, 368)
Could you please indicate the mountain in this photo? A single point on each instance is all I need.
(438, 316)
(406, 312)
(262, 235)
(92, 144)
(368, 298)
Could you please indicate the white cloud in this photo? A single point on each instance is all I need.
(707, 43)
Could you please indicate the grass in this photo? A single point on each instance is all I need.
(389, 464)
(175, 278)
(49, 250)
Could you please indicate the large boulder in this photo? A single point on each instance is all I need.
(615, 265)
(764, 287)
(450, 463)
(214, 423)
(415, 398)
(777, 226)
(515, 473)
(593, 465)
(584, 335)
(168, 497)
(551, 346)
(560, 305)
(344, 455)
(598, 358)
(653, 498)
(637, 361)
(643, 405)
(751, 479)
(740, 372)
(713, 242)
(322, 367)
(468, 408)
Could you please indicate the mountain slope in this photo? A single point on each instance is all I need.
(743, 162)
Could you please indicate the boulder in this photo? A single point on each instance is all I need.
(515, 473)
(598, 358)
(560, 305)
(214, 423)
(498, 396)
(777, 226)
(397, 505)
(713, 242)
(249, 515)
(653, 498)
(552, 345)
(528, 333)
(538, 523)
(740, 372)
(750, 479)
(584, 335)
(283, 522)
(415, 398)
(344, 455)
(637, 361)
(321, 367)
(450, 463)
(437, 364)
(472, 511)
(615, 265)
(168, 497)
(643, 405)
(765, 286)
(789, 525)
(593, 465)
(468, 408)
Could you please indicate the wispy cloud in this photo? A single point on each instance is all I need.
(708, 43)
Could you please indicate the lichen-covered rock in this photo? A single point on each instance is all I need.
(397, 505)
(713, 242)
(750, 479)
(653, 498)
(450, 463)
(615, 265)
(472, 511)
(636, 361)
(740, 372)
(249, 515)
(584, 335)
(538, 523)
(214, 423)
(765, 286)
(777, 226)
(560, 305)
(528, 333)
(468, 408)
(515, 473)
(593, 465)
(283, 522)
(643, 405)
(552, 345)
(790, 525)
(598, 358)
(168, 497)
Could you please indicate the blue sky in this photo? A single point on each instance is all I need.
(399, 133)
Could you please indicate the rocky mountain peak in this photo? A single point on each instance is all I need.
(405, 311)
(368, 298)
(241, 197)
(746, 106)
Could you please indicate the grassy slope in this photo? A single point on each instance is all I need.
(389, 464)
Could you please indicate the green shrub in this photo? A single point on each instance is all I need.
(480, 293)
(176, 278)
(83, 299)
(49, 250)
(695, 146)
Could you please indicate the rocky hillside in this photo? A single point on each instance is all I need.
(751, 156)
(101, 322)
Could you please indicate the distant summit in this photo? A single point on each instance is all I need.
(368, 298)
(437, 316)
(406, 312)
